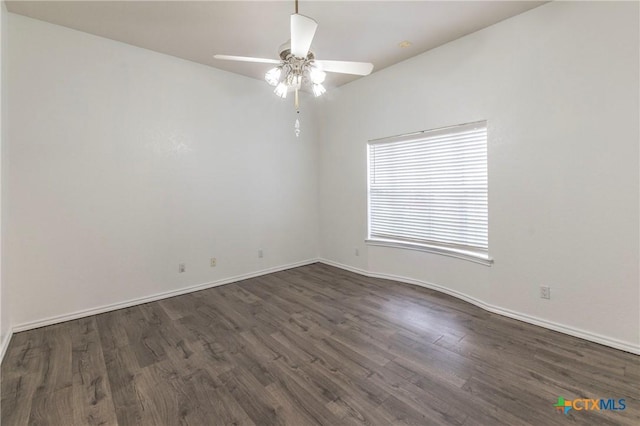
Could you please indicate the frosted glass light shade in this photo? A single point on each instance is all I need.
(281, 90)
(316, 75)
(273, 76)
(318, 90)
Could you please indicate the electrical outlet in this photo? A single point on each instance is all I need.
(260, 254)
(182, 267)
(545, 292)
(214, 262)
(357, 252)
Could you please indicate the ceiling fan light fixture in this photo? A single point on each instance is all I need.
(273, 76)
(281, 90)
(298, 66)
(318, 89)
(316, 75)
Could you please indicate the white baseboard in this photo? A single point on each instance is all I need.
(158, 296)
(572, 331)
(5, 344)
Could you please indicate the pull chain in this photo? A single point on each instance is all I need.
(297, 125)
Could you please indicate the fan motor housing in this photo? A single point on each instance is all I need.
(285, 52)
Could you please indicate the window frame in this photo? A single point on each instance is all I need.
(473, 254)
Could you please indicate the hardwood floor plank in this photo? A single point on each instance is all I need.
(216, 402)
(122, 367)
(288, 408)
(215, 354)
(430, 404)
(17, 398)
(308, 404)
(52, 407)
(92, 402)
(143, 337)
(164, 395)
(179, 306)
(396, 412)
(112, 330)
(259, 406)
(55, 356)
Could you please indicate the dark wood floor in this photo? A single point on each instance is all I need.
(312, 345)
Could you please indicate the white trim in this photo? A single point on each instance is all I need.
(471, 256)
(572, 331)
(593, 337)
(5, 344)
(158, 296)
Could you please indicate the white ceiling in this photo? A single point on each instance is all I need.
(367, 31)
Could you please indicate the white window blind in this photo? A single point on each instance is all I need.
(430, 188)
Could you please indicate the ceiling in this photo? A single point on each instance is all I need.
(366, 31)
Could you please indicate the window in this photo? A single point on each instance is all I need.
(428, 190)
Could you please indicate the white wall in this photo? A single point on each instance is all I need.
(559, 88)
(123, 162)
(120, 163)
(5, 318)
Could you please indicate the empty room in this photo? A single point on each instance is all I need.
(320, 213)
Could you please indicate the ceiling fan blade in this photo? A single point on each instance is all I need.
(346, 67)
(302, 31)
(246, 59)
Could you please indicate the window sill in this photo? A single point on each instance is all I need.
(472, 256)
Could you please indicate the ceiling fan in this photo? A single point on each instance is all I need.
(297, 66)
